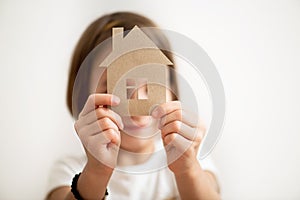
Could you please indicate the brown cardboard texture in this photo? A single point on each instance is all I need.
(136, 72)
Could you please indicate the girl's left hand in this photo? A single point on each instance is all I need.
(182, 133)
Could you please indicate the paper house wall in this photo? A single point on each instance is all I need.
(135, 59)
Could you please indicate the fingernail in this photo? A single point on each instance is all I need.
(159, 124)
(116, 100)
(155, 112)
(152, 109)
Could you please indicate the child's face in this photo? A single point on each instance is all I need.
(139, 131)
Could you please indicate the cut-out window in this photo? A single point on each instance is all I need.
(136, 88)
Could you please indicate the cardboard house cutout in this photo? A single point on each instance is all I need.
(136, 72)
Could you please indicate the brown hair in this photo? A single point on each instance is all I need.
(97, 32)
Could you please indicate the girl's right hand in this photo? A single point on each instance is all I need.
(98, 129)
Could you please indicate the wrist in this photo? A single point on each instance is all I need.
(93, 181)
(192, 171)
(97, 169)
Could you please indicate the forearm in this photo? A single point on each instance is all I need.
(92, 182)
(91, 185)
(197, 184)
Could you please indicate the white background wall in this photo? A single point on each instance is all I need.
(254, 44)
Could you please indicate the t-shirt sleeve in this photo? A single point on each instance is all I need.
(63, 171)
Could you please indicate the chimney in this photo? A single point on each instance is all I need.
(117, 37)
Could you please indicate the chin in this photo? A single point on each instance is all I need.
(141, 131)
(136, 144)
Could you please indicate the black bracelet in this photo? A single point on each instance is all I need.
(74, 188)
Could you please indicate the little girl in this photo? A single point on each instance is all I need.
(118, 148)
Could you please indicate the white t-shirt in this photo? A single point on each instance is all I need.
(150, 180)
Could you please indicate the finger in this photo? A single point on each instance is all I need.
(98, 126)
(182, 129)
(180, 143)
(166, 108)
(180, 115)
(99, 113)
(108, 136)
(96, 100)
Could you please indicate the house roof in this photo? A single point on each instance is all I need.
(136, 39)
